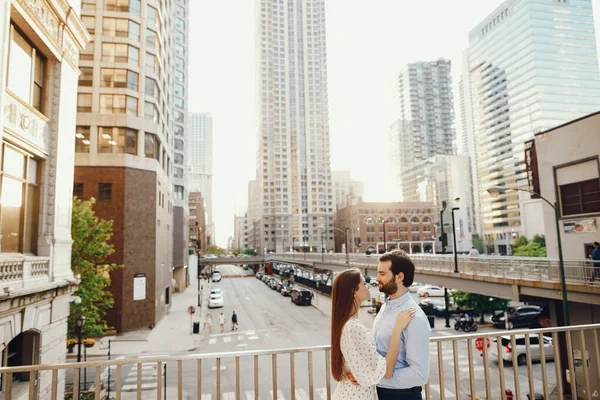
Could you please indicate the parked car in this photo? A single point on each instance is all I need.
(301, 296)
(414, 288)
(265, 278)
(286, 290)
(273, 283)
(216, 291)
(520, 348)
(518, 317)
(370, 250)
(216, 277)
(258, 275)
(430, 291)
(215, 301)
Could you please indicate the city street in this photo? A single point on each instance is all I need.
(269, 321)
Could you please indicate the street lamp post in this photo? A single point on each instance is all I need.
(322, 246)
(454, 240)
(345, 232)
(561, 266)
(79, 323)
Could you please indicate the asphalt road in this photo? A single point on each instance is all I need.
(269, 321)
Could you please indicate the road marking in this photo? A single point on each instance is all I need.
(133, 379)
(212, 341)
(228, 396)
(227, 339)
(436, 388)
(249, 395)
(301, 394)
(133, 388)
(249, 332)
(279, 395)
(241, 337)
(206, 396)
(155, 356)
(253, 338)
(322, 393)
(242, 345)
(223, 368)
(444, 333)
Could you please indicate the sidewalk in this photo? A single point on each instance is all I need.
(173, 334)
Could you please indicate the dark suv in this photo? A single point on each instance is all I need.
(300, 296)
(518, 317)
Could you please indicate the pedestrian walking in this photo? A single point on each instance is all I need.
(474, 253)
(234, 321)
(596, 261)
(222, 322)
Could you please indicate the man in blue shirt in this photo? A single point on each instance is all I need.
(395, 274)
(596, 259)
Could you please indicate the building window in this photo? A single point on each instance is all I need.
(178, 144)
(19, 200)
(178, 173)
(151, 38)
(151, 146)
(151, 88)
(117, 52)
(152, 16)
(118, 78)
(121, 27)
(90, 4)
(89, 23)
(26, 67)
(178, 130)
(179, 158)
(78, 190)
(84, 102)
(118, 104)
(152, 64)
(178, 116)
(150, 111)
(105, 191)
(131, 6)
(178, 192)
(86, 77)
(117, 140)
(580, 197)
(82, 139)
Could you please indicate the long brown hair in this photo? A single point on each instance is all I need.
(342, 308)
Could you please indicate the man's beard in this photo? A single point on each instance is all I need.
(389, 288)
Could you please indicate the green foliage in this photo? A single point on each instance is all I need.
(213, 249)
(479, 303)
(250, 252)
(539, 239)
(520, 241)
(531, 249)
(478, 243)
(90, 249)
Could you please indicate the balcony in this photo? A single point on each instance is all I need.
(476, 366)
(22, 272)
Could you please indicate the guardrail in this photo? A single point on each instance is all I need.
(542, 269)
(473, 366)
(22, 272)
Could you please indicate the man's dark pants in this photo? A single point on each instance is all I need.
(391, 394)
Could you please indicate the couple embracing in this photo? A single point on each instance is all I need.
(392, 362)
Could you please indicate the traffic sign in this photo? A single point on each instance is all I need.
(191, 309)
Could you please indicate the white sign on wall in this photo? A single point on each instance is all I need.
(139, 287)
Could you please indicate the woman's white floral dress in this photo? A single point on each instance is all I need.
(362, 360)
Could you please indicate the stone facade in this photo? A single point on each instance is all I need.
(39, 46)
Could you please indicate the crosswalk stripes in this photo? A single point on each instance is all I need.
(149, 374)
(447, 393)
(300, 394)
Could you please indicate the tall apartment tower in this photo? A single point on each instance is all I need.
(200, 166)
(293, 159)
(426, 125)
(347, 192)
(522, 73)
(129, 142)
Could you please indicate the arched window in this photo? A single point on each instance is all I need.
(369, 220)
(391, 220)
(414, 220)
(426, 220)
(403, 220)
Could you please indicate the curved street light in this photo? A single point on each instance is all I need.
(496, 190)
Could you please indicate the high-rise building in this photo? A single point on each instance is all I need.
(531, 65)
(129, 142)
(253, 217)
(38, 88)
(200, 166)
(197, 223)
(293, 159)
(239, 232)
(426, 125)
(346, 190)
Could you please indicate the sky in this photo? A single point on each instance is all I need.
(367, 46)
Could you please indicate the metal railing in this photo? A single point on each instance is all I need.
(457, 367)
(532, 268)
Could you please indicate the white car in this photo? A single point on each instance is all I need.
(521, 349)
(216, 277)
(430, 291)
(414, 288)
(215, 301)
(216, 291)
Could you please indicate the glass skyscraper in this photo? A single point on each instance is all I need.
(531, 65)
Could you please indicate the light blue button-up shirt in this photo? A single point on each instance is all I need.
(412, 367)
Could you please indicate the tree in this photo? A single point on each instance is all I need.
(478, 243)
(479, 303)
(214, 249)
(524, 248)
(540, 239)
(250, 252)
(520, 241)
(88, 259)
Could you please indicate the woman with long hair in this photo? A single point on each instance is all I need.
(352, 348)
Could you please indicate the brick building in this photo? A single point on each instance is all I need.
(198, 223)
(408, 225)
